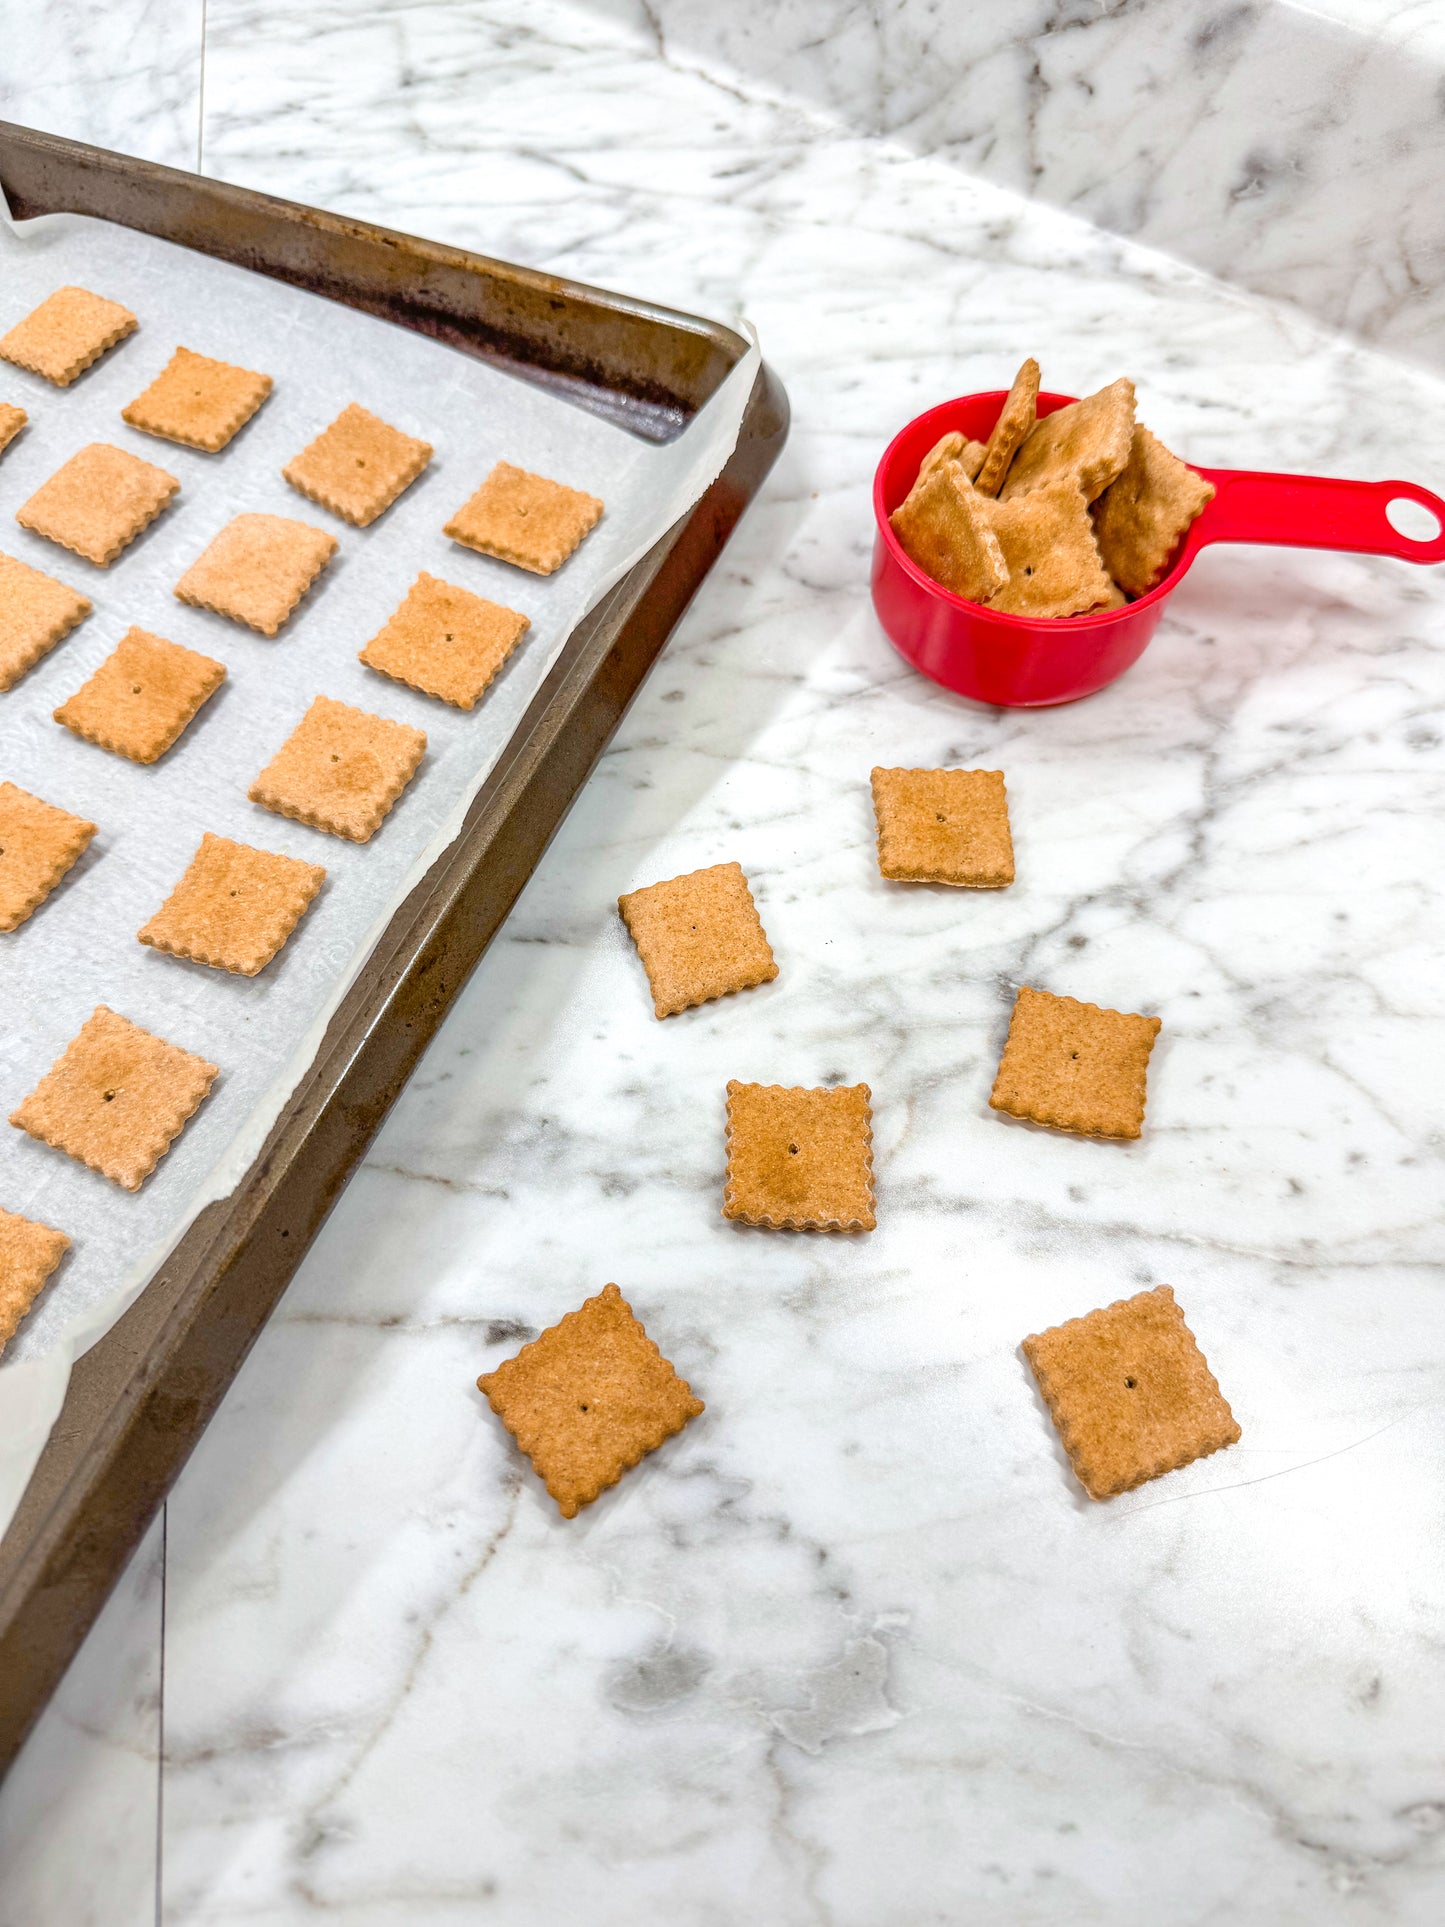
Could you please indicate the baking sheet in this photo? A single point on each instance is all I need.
(79, 948)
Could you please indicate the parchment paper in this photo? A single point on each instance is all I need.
(79, 949)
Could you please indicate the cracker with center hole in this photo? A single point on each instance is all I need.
(36, 612)
(1130, 1392)
(197, 401)
(1074, 1066)
(29, 1252)
(943, 826)
(445, 641)
(699, 936)
(944, 527)
(1086, 443)
(234, 907)
(257, 570)
(1015, 420)
(12, 420)
(953, 447)
(524, 519)
(1146, 511)
(1048, 547)
(340, 770)
(116, 1098)
(800, 1160)
(588, 1399)
(65, 334)
(98, 502)
(38, 844)
(142, 696)
(358, 466)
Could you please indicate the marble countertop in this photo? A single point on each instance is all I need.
(854, 1649)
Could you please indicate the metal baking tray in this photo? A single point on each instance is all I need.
(140, 1399)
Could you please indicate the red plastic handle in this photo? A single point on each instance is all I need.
(1314, 512)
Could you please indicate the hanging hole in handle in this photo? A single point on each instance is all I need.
(1412, 519)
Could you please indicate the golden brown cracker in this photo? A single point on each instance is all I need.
(1130, 1392)
(1146, 511)
(1086, 443)
(12, 420)
(1047, 542)
(257, 570)
(1015, 419)
(943, 826)
(65, 334)
(588, 1399)
(116, 1098)
(524, 519)
(98, 502)
(358, 466)
(340, 770)
(142, 696)
(699, 936)
(197, 401)
(944, 527)
(235, 906)
(1074, 1066)
(800, 1160)
(38, 844)
(29, 1252)
(953, 447)
(445, 641)
(36, 612)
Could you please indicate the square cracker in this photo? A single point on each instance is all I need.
(142, 696)
(800, 1160)
(944, 826)
(234, 907)
(1048, 547)
(1086, 443)
(29, 1252)
(1074, 1066)
(1130, 1392)
(588, 1399)
(340, 770)
(952, 447)
(38, 844)
(98, 502)
(358, 466)
(525, 519)
(699, 936)
(445, 641)
(1146, 511)
(12, 420)
(257, 570)
(36, 612)
(116, 1098)
(197, 401)
(1015, 419)
(944, 527)
(65, 334)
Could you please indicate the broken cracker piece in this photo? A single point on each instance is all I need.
(1015, 420)
(944, 527)
(1086, 443)
(198, 402)
(38, 844)
(943, 826)
(36, 612)
(116, 1098)
(98, 502)
(800, 1160)
(68, 331)
(340, 770)
(12, 420)
(358, 466)
(142, 696)
(699, 936)
(588, 1399)
(1130, 1392)
(445, 641)
(1047, 542)
(235, 906)
(257, 570)
(1146, 511)
(953, 447)
(524, 519)
(29, 1253)
(1075, 1066)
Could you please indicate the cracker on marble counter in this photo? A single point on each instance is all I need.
(1075, 1066)
(798, 1159)
(943, 826)
(39, 843)
(197, 401)
(98, 502)
(68, 331)
(699, 937)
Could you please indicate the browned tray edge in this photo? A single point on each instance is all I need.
(140, 1398)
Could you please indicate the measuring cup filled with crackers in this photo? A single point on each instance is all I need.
(1027, 542)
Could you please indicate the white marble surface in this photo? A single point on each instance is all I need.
(853, 1649)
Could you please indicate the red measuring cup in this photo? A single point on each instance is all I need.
(1021, 662)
